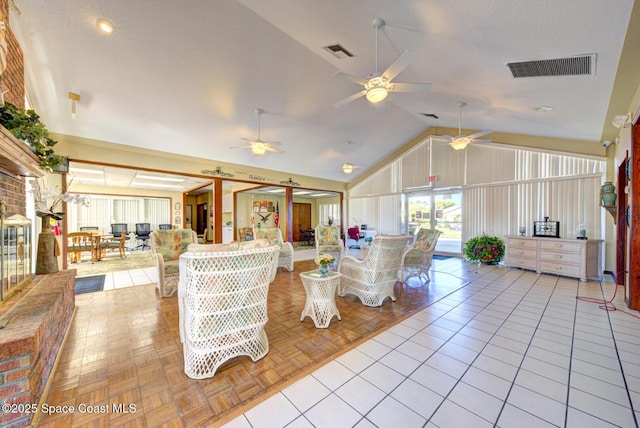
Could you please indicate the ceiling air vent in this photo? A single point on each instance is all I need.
(338, 51)
(571, 66)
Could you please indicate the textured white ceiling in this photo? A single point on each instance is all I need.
(186, 77)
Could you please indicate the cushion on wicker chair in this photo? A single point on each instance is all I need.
(274, 236)
(417, 259)
(373, 279)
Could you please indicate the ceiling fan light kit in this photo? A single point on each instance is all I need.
(257, 146)
(460, 142)
(377, 94)
(347, 168)
(377, 85)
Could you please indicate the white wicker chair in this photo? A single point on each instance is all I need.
(328, 241)
(372, 280)
(166, 247)
(417, 259)
(274, 235)
(222, 300)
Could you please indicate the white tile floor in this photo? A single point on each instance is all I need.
(129, 278)
(511, 349)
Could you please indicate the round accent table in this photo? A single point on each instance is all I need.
(321, 291)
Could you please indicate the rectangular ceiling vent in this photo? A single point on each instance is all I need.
(571, 66)
(338, 51)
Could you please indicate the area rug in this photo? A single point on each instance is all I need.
(89, 284)
(438, 257)
(113, 263)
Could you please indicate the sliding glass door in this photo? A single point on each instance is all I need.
(448, 220)
(438, 210)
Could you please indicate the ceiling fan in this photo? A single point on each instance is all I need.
(378, 85)
(257, 146)
(460, 141)
(348, 167)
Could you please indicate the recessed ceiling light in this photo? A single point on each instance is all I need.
(153, 177)
(104, 26)
(543, 109)
(85, 179)
(161, 185)
(86, 171)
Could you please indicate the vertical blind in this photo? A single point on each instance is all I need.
(102, 211)
(503, 188)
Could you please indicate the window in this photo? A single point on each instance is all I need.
(329, 211)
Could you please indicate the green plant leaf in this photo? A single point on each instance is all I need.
(26, 126)
(483, 249)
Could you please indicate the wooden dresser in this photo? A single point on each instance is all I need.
(568, 257)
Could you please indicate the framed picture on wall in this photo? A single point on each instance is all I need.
(177, 206)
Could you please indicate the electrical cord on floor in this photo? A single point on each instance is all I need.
(607, 305)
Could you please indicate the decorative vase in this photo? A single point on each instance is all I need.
(608, 194)
(324, 271)
(48, 250)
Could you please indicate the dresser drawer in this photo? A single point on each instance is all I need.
(522, 252)
(523, 262)
(522, 243)
(560, 269)
(569, 258)
(550, 244)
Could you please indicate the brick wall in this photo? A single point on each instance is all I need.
(12, 190)
(13, 76)
(30, 342)
(13, 194)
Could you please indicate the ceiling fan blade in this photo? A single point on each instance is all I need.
(272, 149)
(481, 133)
(240, 147)
(350, 77)
(351, 98)
(401, 62)
(409, 87)
(482, 141)
(272, 143)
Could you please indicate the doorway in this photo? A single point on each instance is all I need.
(201, 219)
(441, 211)
(301, 219)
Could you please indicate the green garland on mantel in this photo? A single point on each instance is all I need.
(26, 126)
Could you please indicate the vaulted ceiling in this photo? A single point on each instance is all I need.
(187, 77)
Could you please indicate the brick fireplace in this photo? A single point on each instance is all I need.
(38, 316)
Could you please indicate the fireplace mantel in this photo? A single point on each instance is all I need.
(16, 158)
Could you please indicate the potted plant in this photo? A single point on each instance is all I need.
(324, 260)
(484, 249)
(26, 126)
